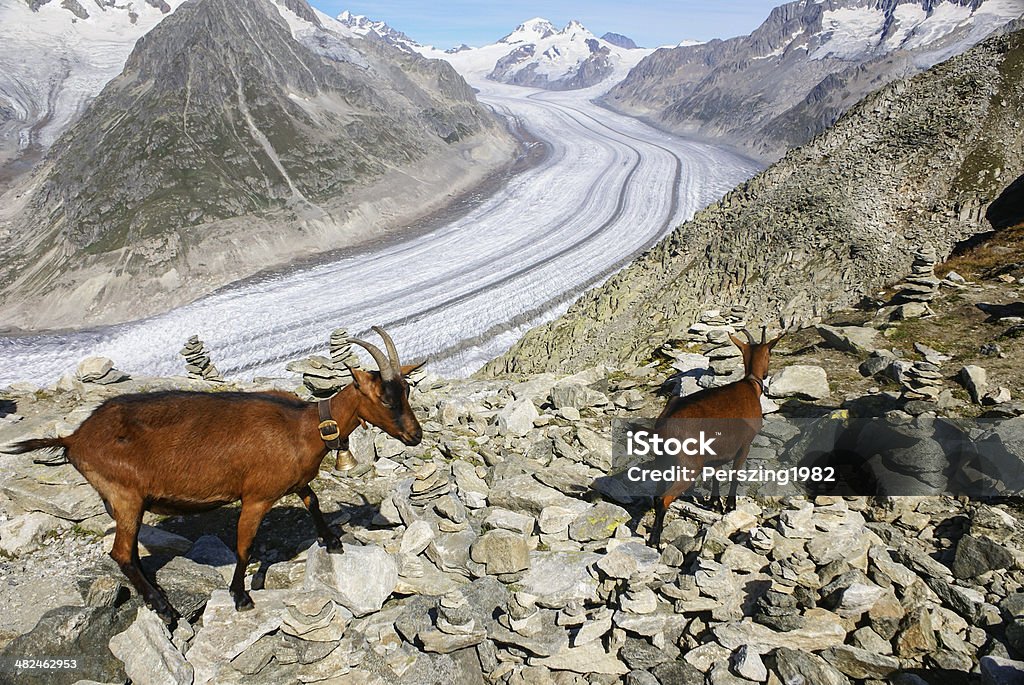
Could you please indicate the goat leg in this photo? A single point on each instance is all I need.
(737, 463)
(127, 515)
(248, 523)
(331, 541)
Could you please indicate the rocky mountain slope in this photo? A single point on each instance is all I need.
(240, 135)
(916, 162)
(801, 69)
(55, 57)
(538, 54)
(493, 553)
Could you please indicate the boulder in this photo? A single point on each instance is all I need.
(25, 533)
(557, 578)
(148, 655)
(800, 380)
(975, 380)
(517, 417)
(856, 339)
(375, 569)
(501, 551)
(598, 523)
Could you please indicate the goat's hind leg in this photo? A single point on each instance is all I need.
(127, 515)
(331, 541)
(248, 523)
(737, 463)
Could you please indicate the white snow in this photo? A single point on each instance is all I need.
(855, 33)
(461, 293)
(556, 54)
(52, 63)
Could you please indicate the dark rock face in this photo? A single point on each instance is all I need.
(793, 76)
(222, 112)
(207, 121)
(915, 162)
(619, 40)
(80, 633)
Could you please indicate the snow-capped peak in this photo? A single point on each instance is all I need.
(362, 25)
(531, 31)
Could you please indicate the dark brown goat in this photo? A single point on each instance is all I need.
(182, 452)
(734, 410)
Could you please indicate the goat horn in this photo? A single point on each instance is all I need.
(389, 345)
(764, 333)
(387, 372)
(750, 338)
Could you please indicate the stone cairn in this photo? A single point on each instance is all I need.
(99, 370)
(324, 376)
(922, 285)
(197, 361)
(431, 483)
(713, 330)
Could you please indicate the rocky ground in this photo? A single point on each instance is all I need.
(492, 553)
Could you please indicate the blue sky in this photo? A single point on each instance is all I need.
(445, 23)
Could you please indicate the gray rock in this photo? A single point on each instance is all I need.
(797, 667)
(68, 632)
(56, 490)
(800, 380)
(525, 493)
(855, 339)
(148, 655)
(860, 663)
(746, 663)
(557, 578)
(629, 559)
(975, 379)
(517, 417)
(589, 658)
(576, 395)
(416, 537)
(24, 533)
(335, 573)
(820, 633)
(598, 522)
(501, 551)
(999, 671)
(188, 585)
(976, 555)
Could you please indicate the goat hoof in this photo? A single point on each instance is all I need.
(243, 602)
(168, 615)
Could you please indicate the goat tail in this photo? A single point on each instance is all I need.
(39, 444)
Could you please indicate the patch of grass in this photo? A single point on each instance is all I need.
(1004, 251)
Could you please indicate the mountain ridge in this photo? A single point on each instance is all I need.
(800, 69)
(234, 112)
(916, 162)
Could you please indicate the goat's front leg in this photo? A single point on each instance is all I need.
(248, 523)
(737, 463)
(309, 498)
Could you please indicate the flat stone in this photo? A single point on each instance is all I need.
(501, 551)
(416, 537)
(747, 663)
(524, 493)
(56, 490)
(148, 655)
(629, 559)
(375, 569)
(800, 380)
(25, 533)
(855, 339)
(821, 630)
(588, 658)
(976, 555)
(598, 523)
(860, 663)
(517, 417)
(798, 667)
(557, 578)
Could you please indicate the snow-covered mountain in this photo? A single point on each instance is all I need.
(809, 61)
(538, 54)
(54, 57)
(364, 26)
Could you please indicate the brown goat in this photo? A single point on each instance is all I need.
(735, 407)
(182, 452)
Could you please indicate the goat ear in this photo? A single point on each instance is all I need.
(409, 368)
(359, 377)
(737, 342)
(773, 343)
